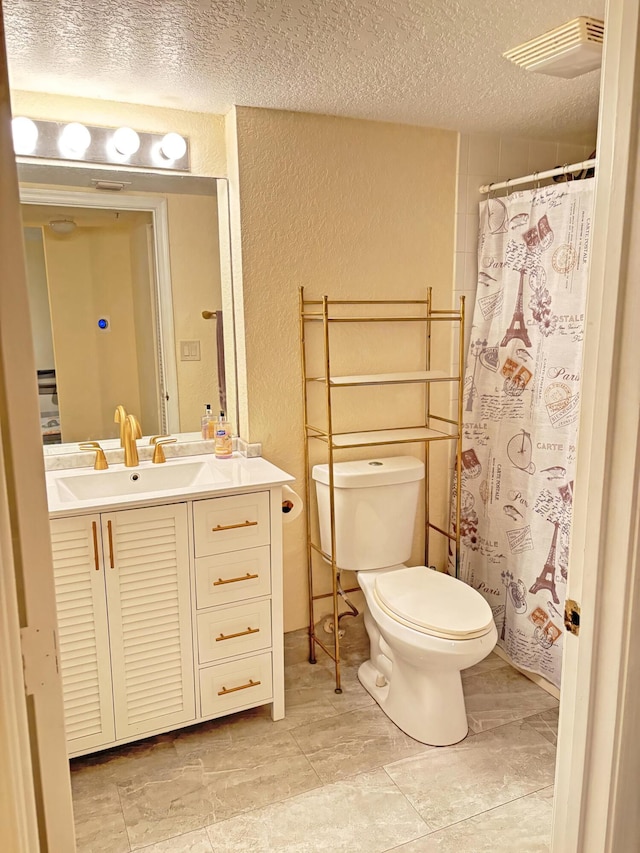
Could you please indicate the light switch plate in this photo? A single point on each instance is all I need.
(189, 350)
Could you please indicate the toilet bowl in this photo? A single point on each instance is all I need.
(424, 626)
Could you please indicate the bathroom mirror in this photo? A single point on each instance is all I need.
(126, 300)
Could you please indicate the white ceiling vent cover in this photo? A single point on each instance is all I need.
(568, 51)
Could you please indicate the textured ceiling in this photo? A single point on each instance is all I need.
(430, 62)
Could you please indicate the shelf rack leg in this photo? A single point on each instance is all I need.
(332, 504)
(307, 485)
(427, 484)
(459, 441)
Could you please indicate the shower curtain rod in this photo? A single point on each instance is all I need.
(538, 176)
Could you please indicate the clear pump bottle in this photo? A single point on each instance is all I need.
(208, 423)
(223, 448)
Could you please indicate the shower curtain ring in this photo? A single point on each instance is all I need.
(536, 180)
(565, 173)
(490, 191)
(507, 187)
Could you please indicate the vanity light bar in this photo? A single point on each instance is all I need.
(122, 146)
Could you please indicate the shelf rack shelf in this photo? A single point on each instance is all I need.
(328, 312)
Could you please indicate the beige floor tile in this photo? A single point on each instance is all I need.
(296, 647)
(223, 773)
(253, 772)
(502, 695)
(521, 826)
(490, 663)
(364, 814)
(354, 742)
(98, 816)
(171, 802)
(453, 783)
(124, 764)
(104, 834)
(192, 842)
(546, 723)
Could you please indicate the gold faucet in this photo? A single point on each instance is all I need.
(100, 463)
(120, 417)
(131, 431)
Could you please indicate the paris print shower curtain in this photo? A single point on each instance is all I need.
(521, 403)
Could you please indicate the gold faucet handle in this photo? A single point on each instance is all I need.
(158, 441)
(100, 463)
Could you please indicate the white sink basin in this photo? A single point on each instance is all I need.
(94, 485)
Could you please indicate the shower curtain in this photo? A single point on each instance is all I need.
(521, 403)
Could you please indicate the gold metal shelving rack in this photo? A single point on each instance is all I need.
(323, 311)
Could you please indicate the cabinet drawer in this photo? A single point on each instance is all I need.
(234, 631)
(235, 684)
(229, 524)
(236, 576)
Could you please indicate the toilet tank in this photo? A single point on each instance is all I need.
(375, 510)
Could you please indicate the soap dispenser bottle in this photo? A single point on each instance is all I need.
(222, 447)
(208, 423)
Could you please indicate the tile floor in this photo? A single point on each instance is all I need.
(334, 775)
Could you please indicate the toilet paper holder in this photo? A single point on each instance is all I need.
(291, 504)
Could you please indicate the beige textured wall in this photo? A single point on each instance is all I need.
(144, 320)
(195, 279)
(204, 131)
(344, 207)
(38, 298)
(89, 275)
(71, 302)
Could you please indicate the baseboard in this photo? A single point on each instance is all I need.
(532, 676)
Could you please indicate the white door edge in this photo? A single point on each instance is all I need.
(593, 811)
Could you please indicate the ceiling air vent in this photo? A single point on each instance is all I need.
(568, 51)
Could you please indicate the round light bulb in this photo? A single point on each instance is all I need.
(75, 138)
(25, 135)
(173, 146)
(126, 141)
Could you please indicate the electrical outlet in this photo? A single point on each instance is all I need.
(189, 350)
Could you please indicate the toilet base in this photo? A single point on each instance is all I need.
(428, 707)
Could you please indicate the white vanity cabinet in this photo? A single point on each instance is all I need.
(124, 621)
(232, 546)
(168, 614)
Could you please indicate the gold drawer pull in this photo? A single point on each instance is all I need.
(239, 634)
(247, 577)
(220, 527)
(226, 690)
(110, 531)
(94, 527)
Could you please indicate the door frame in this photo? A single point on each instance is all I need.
(595, 808)
(35, 788)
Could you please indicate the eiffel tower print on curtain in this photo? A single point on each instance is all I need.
(517, 329)
(515, 519)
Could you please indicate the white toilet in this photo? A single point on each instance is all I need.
(424, 626)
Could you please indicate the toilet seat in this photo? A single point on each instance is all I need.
(433, 603)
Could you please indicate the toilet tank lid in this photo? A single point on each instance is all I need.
(364, 473)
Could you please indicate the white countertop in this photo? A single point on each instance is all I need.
(215, 477)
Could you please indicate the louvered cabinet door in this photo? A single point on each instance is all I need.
(82, 630)
(146, 555)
